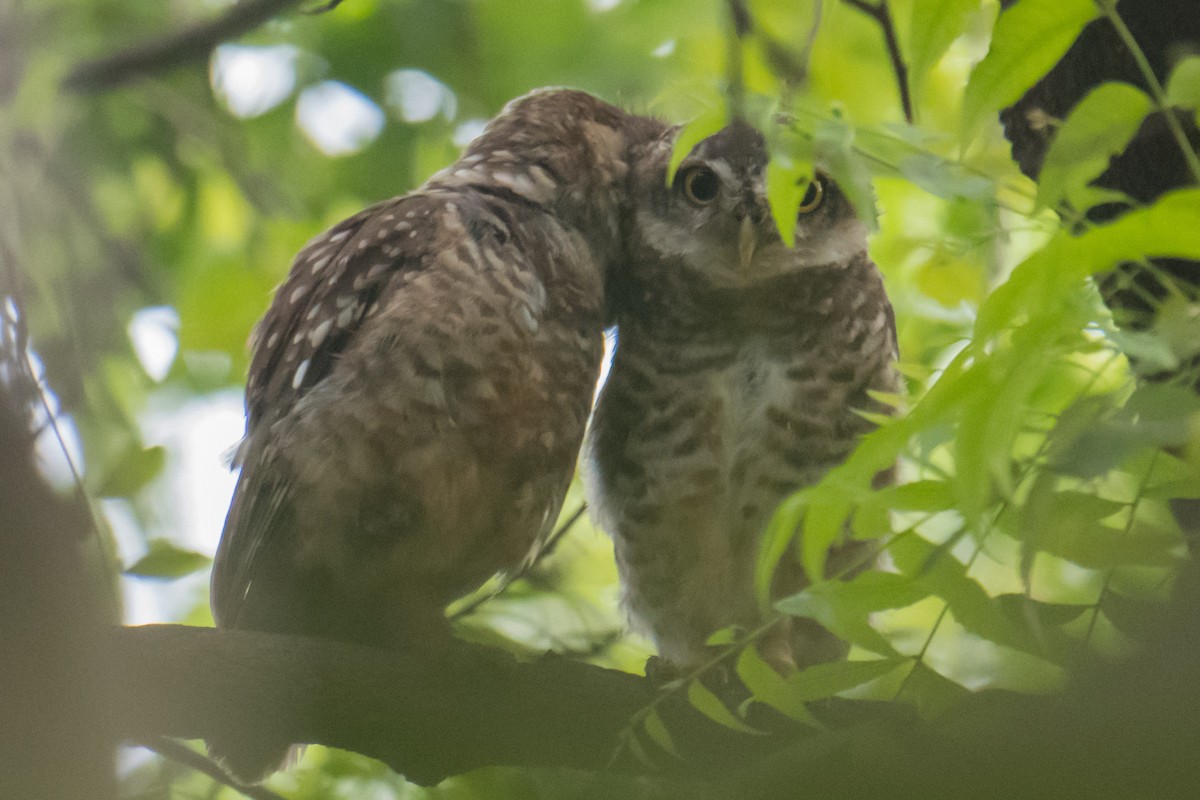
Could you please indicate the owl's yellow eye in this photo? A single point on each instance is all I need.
(700, 185)
(813, 196)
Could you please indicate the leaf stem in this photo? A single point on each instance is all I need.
(1109, 9)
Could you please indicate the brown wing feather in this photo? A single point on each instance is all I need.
(336, 283)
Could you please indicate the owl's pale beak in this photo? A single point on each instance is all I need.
(747, 239)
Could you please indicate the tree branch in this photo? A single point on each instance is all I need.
(427, 715)
(190, 45)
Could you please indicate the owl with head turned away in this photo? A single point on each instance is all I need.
(419, 388)
(740, 371)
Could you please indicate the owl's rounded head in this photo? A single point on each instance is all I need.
(714, 220)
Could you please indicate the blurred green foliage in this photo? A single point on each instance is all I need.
(1031, 527)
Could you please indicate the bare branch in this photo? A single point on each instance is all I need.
(187, 46)
(881, 14)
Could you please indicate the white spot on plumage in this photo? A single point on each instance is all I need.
(525, 315)
(317, 334)
(494, 259)
(521, 184)
(272, 340)
(319, 264)
(337, 237)
(297, 293)
(542, 178)
(298, 379)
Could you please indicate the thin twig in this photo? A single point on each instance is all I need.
(190, 45)
(880, 13)
(1109, 8)
(330, 6)
(548, 548)
(181, 754)
(741, 26)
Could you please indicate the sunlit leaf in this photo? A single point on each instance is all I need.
(937, 571)
(822, 603)
(946, 179)
(935, 24)
(708, 704)
(1076, 526)
(1099, 127)
(787, 182)
(691, 134)
(727, 635)
(833, 151)
(1165, 229)
(132, 471)
(1027, 41)
(167, 560)
(770, 688)
(1183, 85)
(825, 680)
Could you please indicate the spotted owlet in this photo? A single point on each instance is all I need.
(419, 388)
(738, 370)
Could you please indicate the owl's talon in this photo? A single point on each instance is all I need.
(660, 672)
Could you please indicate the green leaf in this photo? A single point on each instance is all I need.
(935, 25)
(822, 603)
(708, 704)
(1166, 229)
(876, 591)
(833, 151)
(166, 560)
(787, 181)
(727, 635)
(1129, 614)
(1044, 623)
(770, 688)
(936, 570)
(1029, 38)
(825, 680)
(1183, 85)
(1070, 525)
(132, 471)
(932, 693)
(691, 134)
(946, 179)
(1099, 127)
(777, 539)
(639, 752)
(926, 495)
(659, 734)
(823, 523)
